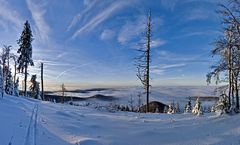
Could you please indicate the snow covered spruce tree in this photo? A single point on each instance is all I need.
(143, 61)
(9, 88)
(227, 48)
(221, 105)
(25, 51)
(197, 109)
(188, 107)
(171, 108)
(35, 87)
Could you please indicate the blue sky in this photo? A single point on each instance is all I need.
(92, 43)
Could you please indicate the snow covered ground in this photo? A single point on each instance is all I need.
(32, 122)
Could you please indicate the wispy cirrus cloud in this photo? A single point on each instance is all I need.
(197, 33)
(199, 14)
(158, 42)
(73, 68)
(182, 58)
(133, 32)
(161, 69)
(76, 19)
(7, 13)
(131, 29)
(38, 11)
(169, 4)
(107, 34)
(103, 15)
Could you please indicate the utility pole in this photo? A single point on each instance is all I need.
(42, 82)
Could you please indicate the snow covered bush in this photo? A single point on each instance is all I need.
(197, 109)
(221, 105)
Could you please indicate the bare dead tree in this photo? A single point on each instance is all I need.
(143, 61)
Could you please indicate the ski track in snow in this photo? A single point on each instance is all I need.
(31, 133)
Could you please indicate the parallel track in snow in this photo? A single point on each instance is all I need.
(31, 133)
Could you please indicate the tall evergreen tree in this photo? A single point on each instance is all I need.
(25, 51)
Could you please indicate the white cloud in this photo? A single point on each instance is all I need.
(161, 69)
(158, 42)
(169, 4)
(202, 58)
(163, 53)
(9, 14)
(89, 4)
(197, 33)
(100, 18)
(107, 34)
(132, 29)
(169, 66)
(135, 29)
(199, 14)
(37, 10)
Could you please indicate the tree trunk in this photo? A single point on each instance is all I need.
(3, 89)
(25, 81)
(42, 81)
(15, 72)
(237, 95)
(63, 97)
(148, 57)
(233, 90)
(230, 77)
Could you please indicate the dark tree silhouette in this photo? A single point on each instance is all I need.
(25, 51)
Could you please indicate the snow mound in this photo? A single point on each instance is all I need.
(89, 142)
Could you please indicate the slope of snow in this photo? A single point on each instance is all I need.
(32, 122)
